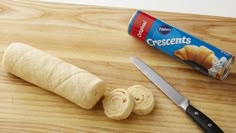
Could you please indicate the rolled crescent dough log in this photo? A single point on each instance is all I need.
(118, 104)
(51, 73)
(143, 99)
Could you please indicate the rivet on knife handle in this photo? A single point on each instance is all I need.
(206, 124)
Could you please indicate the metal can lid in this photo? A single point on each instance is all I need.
(226, 71)
(131, 21)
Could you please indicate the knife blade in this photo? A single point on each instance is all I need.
(205, 123)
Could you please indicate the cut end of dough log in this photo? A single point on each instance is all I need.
(118, 104)
(95, 90)
(143, 99)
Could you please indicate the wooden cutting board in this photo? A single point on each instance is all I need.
(96, 39)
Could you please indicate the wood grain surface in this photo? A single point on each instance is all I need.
(96, 39)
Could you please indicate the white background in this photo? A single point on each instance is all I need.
(226, 8)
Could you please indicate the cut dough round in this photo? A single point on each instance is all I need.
(118, 104)
(143, 99)
(51, 73)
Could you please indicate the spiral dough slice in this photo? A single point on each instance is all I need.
(143, 99)
(118, 104)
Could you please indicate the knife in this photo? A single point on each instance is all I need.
(205, 123)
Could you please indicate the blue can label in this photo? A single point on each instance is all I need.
(181, 45)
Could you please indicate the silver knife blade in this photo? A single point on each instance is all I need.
(165, 87)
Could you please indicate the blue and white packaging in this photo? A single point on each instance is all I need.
(180, 45)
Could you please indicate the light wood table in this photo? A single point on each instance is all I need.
(96, 39)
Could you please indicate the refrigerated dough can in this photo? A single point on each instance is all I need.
(182, 46)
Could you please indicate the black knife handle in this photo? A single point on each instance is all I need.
(205, 123)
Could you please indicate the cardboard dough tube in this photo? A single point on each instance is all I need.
(51, 73)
